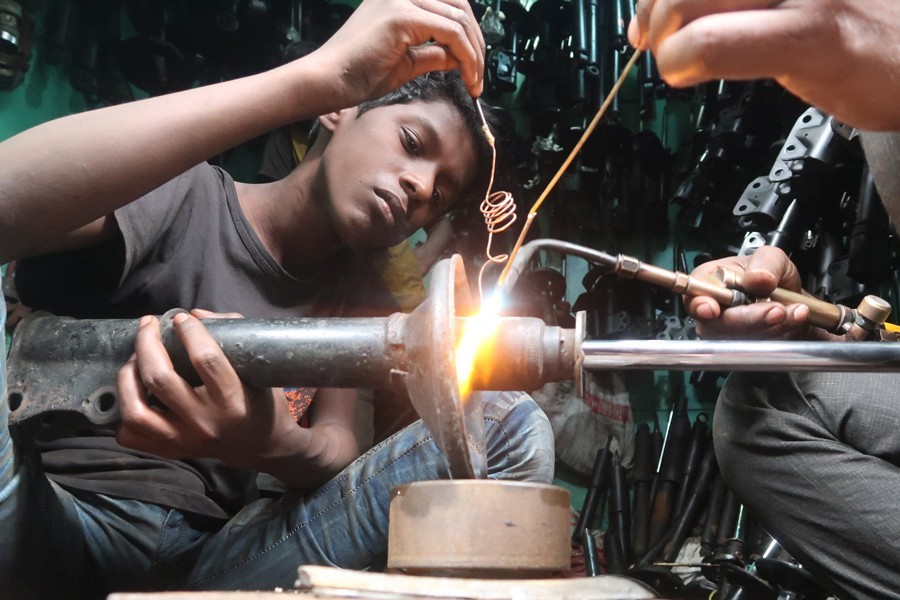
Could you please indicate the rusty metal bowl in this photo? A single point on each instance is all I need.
(479, 528)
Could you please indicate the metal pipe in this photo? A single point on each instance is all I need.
(71, 358)
(691, 355)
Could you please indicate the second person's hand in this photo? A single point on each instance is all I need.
(834, 54)
(760, 274)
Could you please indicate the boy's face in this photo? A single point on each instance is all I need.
(394, 169)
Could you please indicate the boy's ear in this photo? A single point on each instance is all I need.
(330, 121)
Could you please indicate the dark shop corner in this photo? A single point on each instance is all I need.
(667, 180)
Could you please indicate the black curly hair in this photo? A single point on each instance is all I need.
(447, 86)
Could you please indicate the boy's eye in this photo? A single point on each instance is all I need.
(437, 200)
(411, 143)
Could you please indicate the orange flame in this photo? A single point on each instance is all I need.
(478, 330)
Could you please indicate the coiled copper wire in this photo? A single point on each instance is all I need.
(498, 208)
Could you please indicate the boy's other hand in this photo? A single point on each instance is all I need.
(760, 274)
(385, 43)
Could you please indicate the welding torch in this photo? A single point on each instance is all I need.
(725, 287)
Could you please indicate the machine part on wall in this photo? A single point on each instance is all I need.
(94, 53)
(736, 125)
(502, 60)
(599, 483)
(617, 308)
(491, 23)
(15, 43)
(792, 580)
(641, 476)
(801, 171)
(178, 44)
(58, 24)
(870, 251)
(677, 329)
(546, 58)
(151, 62)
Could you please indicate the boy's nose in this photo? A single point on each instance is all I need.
(416, 187)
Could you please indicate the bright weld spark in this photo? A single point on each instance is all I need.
(477, 331)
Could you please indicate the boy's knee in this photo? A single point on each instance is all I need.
(519, 438)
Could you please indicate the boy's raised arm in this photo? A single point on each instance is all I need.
(72, 171)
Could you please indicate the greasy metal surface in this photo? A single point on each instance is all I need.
(482, 528)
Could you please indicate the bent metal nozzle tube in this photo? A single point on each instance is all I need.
(725, 287)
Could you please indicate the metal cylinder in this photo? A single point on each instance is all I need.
(524, 355)
(59, 363)
(676, 355)
(356, 353)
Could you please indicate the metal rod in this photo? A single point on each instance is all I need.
(676, 355)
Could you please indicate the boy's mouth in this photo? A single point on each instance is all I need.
(391, 208)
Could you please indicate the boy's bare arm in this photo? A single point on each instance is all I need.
(67, 174)
(310, 457)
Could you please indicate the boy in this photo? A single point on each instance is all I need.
(156, 507)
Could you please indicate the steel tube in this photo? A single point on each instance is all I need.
(357, 353)
(673, 355)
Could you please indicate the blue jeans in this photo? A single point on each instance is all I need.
(815, 458)
(56, 543)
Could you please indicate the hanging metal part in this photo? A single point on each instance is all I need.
(68, 367)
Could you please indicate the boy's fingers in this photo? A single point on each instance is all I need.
(206, 356)
(157, 374)
(140, 423)
(462, 13)
(452, 28)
